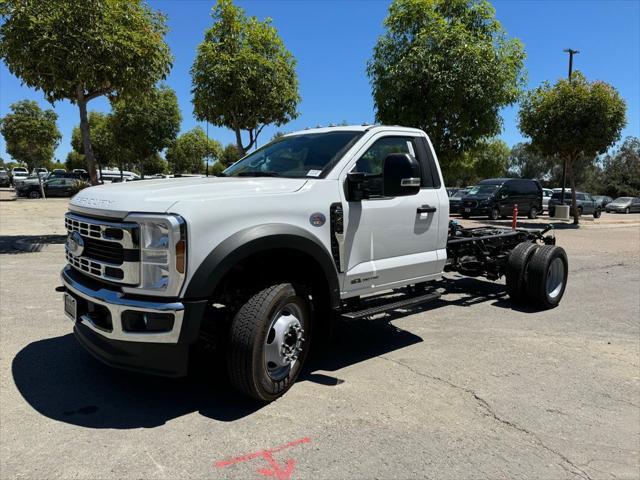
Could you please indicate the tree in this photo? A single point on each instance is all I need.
(81, 51)
(75, 160)
(446, 67)
(147, 125)
(621, 170)
(230, 155)
(243, 77)
(107, 151)
(154, 164)
(30, 133)
(525, 162)
(573, 120)
(488, 159)
(190, 150)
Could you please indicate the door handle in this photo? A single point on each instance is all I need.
(426, 209)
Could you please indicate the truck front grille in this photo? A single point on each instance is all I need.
(110, 250)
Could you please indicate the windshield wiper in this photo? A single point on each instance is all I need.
(258, 173)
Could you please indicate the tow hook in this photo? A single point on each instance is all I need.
(61, 289)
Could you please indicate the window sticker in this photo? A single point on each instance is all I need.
(410, 147)
(314, 173)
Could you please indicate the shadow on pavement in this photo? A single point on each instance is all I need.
(63, 382)
(12, 244)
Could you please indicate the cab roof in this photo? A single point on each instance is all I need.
(354, 128)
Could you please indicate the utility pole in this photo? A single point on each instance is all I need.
(571, 53)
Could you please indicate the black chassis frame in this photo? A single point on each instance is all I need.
(484, 251)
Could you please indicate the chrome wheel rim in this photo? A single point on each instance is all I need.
(284, 341)
(555, 278)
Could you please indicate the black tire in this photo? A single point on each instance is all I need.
(516, 270)
(539, 276)
(34, 194)
(596, 213)
(466, 215)
(494, 214)
(248, 334)
(579, 211)
(533, 213)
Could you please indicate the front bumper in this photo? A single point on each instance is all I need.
(473, 211)
(99, 327)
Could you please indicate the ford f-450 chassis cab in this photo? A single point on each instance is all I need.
(352, 221)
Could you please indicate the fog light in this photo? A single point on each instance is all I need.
(133, 321)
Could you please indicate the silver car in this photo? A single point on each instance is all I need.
(624, 205)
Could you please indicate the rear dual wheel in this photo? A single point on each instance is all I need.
(537, 275)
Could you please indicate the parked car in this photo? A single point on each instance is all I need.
(5, 181)
(43, 172)
(602, 200)
(18, 173)
(497, 197)
(55, 187)
(73, 175)
(20, 181)
(584, 202)
(58, 170)
(455, 200)
(624, 205)
(546, 195)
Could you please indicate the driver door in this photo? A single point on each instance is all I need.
(392, 241)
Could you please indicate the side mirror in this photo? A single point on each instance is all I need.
(400, 175)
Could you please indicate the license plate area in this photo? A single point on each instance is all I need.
(70, 307)
(467, 210)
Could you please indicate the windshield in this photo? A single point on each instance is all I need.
(622, 200)
(558, 195)
(297, 156)
(483, 189)
(459, 194)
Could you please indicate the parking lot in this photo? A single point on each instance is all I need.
(465, 387)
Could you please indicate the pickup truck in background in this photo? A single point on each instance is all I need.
(349, 221)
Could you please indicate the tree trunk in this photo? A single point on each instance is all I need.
(239, 142)
(86, 140)
(572, 182)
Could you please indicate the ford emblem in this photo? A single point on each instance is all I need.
(75, 244)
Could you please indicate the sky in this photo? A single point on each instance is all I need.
(333, 39)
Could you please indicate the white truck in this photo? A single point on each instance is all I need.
(350, 221)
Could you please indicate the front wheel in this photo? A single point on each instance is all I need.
(269, 341)
(34, 194)
(494, 214)
(546, 277)
(596, 213)
(533, 213)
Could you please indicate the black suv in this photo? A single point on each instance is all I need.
(497, 197)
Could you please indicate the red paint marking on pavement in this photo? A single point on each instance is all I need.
(275, 469)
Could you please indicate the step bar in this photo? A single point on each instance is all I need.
(405, 302)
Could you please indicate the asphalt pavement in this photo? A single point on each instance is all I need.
(463, 388)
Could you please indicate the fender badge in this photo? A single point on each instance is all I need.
(317, 219)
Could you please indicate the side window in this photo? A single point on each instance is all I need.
(372, 160)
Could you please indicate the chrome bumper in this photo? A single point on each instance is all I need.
(116, 303)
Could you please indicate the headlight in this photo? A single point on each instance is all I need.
(162, 254)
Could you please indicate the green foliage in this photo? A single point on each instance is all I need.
(447, 67)
(243, 76)
(621, 170)
(526, 162)
(154, 164)
(148, 124)
(230, 155)
(216, 168)
(107, 151)
(30, 133)
(190, 150)
(82, 50)
(74, 160)
(78, 185)
(488, 159)
(573, 121)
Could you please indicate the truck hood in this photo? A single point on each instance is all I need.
(157, 196)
